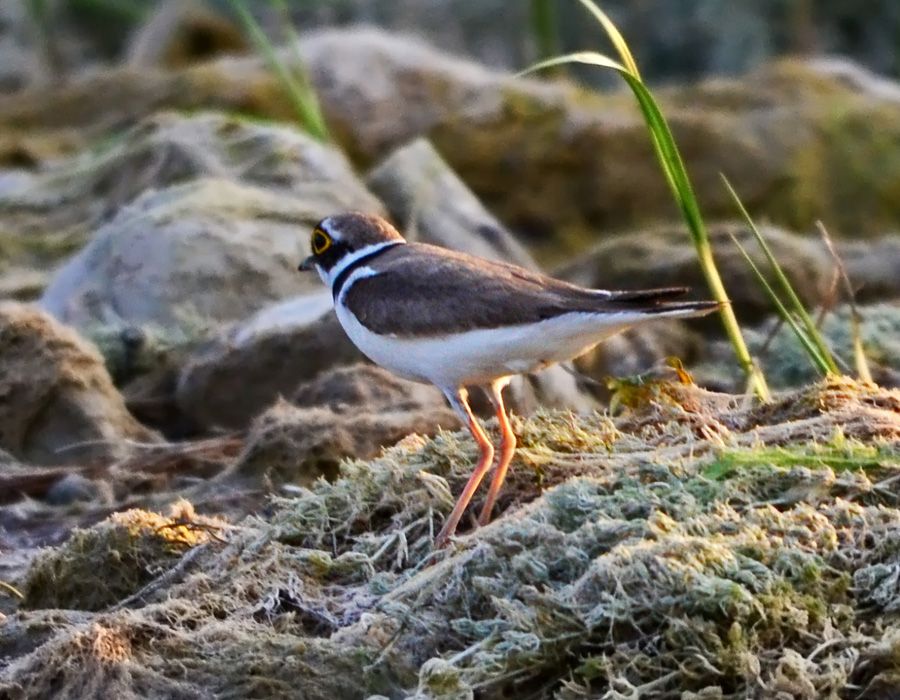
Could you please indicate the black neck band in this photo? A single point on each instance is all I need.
(341, 279)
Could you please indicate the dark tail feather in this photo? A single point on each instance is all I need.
(682, 308)
(648, 295)
(656, 301)
(652, 302)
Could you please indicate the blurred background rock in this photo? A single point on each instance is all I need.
(672, 39)
(156, 188)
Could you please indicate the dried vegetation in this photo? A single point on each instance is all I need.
(694, 547)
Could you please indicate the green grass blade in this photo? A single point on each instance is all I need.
(302, 97)
(314, 110)
(810, 348)
(661, 136)
(676, 175)
(544, 27)
(615, 36)
(812, 332)
(851, 458)
(591, 58)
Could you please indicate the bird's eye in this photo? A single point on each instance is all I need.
(321, 241)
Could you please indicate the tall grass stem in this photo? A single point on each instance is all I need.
(545, 27)
(300, 94)
(676, 175)
(786, 316)
(859, 353)
(812, 333)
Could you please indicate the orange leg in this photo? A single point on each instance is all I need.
(459, 401)
(507, 450)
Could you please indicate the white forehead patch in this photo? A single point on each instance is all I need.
(327, 225)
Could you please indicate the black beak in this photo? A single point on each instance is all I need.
(307, 265)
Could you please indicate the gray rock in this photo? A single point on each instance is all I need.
(49, 214)
(555, 162)
(431, 204)
(237, 375)
(19, 58)
(366, 387)
(857, 77)
(560, 163)
(873, 267)
(169, 148)
(73, 488)
(58, 404)
(195, 254)
(665, 256)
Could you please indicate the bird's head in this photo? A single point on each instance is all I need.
(339, 240)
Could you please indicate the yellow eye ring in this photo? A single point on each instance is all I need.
(321, 241)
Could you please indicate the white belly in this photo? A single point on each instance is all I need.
(478, 357)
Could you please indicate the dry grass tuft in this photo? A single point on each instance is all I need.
(99, 566)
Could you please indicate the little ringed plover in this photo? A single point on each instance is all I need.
(438, 316)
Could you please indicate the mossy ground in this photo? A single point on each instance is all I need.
(130, 548)
(695, 546)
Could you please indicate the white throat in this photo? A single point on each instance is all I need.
(331, 275)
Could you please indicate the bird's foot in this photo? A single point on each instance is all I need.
(443, 538)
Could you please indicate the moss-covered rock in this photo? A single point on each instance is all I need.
(352, 411)
(99, 566)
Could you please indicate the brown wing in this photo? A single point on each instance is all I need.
(422, 290)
